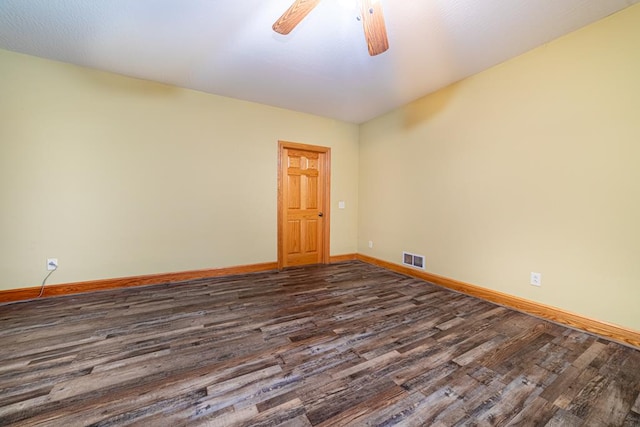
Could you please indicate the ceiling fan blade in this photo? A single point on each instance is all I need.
(375, 32)
(292, 17)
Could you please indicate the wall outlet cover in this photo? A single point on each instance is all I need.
(536, 279)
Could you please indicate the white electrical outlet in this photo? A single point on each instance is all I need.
(52, 263)
(370, 244)
(536, 279)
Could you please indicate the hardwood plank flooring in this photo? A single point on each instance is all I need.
(338, 345)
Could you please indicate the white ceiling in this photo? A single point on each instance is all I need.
(227, 47)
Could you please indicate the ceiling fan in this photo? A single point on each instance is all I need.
(375, 31)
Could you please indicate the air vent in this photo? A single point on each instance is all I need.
(413, 260)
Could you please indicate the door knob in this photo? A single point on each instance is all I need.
(320, 214)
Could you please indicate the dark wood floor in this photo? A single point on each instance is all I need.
(347, 344)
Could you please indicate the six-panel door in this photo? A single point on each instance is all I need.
(303, 218)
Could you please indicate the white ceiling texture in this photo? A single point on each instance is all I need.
(227, 47)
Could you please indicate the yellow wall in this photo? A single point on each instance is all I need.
(117, 177)
(533, 165)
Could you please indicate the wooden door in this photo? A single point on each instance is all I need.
(303, 204)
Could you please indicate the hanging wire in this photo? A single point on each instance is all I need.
(44, 281)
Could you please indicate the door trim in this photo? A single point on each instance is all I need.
(326, 204)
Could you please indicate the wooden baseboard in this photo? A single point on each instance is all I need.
(22, 294)
(597, 327)
(604, 329)
(342, 258)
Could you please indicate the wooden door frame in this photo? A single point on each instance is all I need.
(326, 199)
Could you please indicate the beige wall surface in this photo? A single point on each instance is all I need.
(533, 165)
(530, 166)
(117, 177)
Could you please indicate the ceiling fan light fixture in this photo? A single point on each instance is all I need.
(375, 31)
